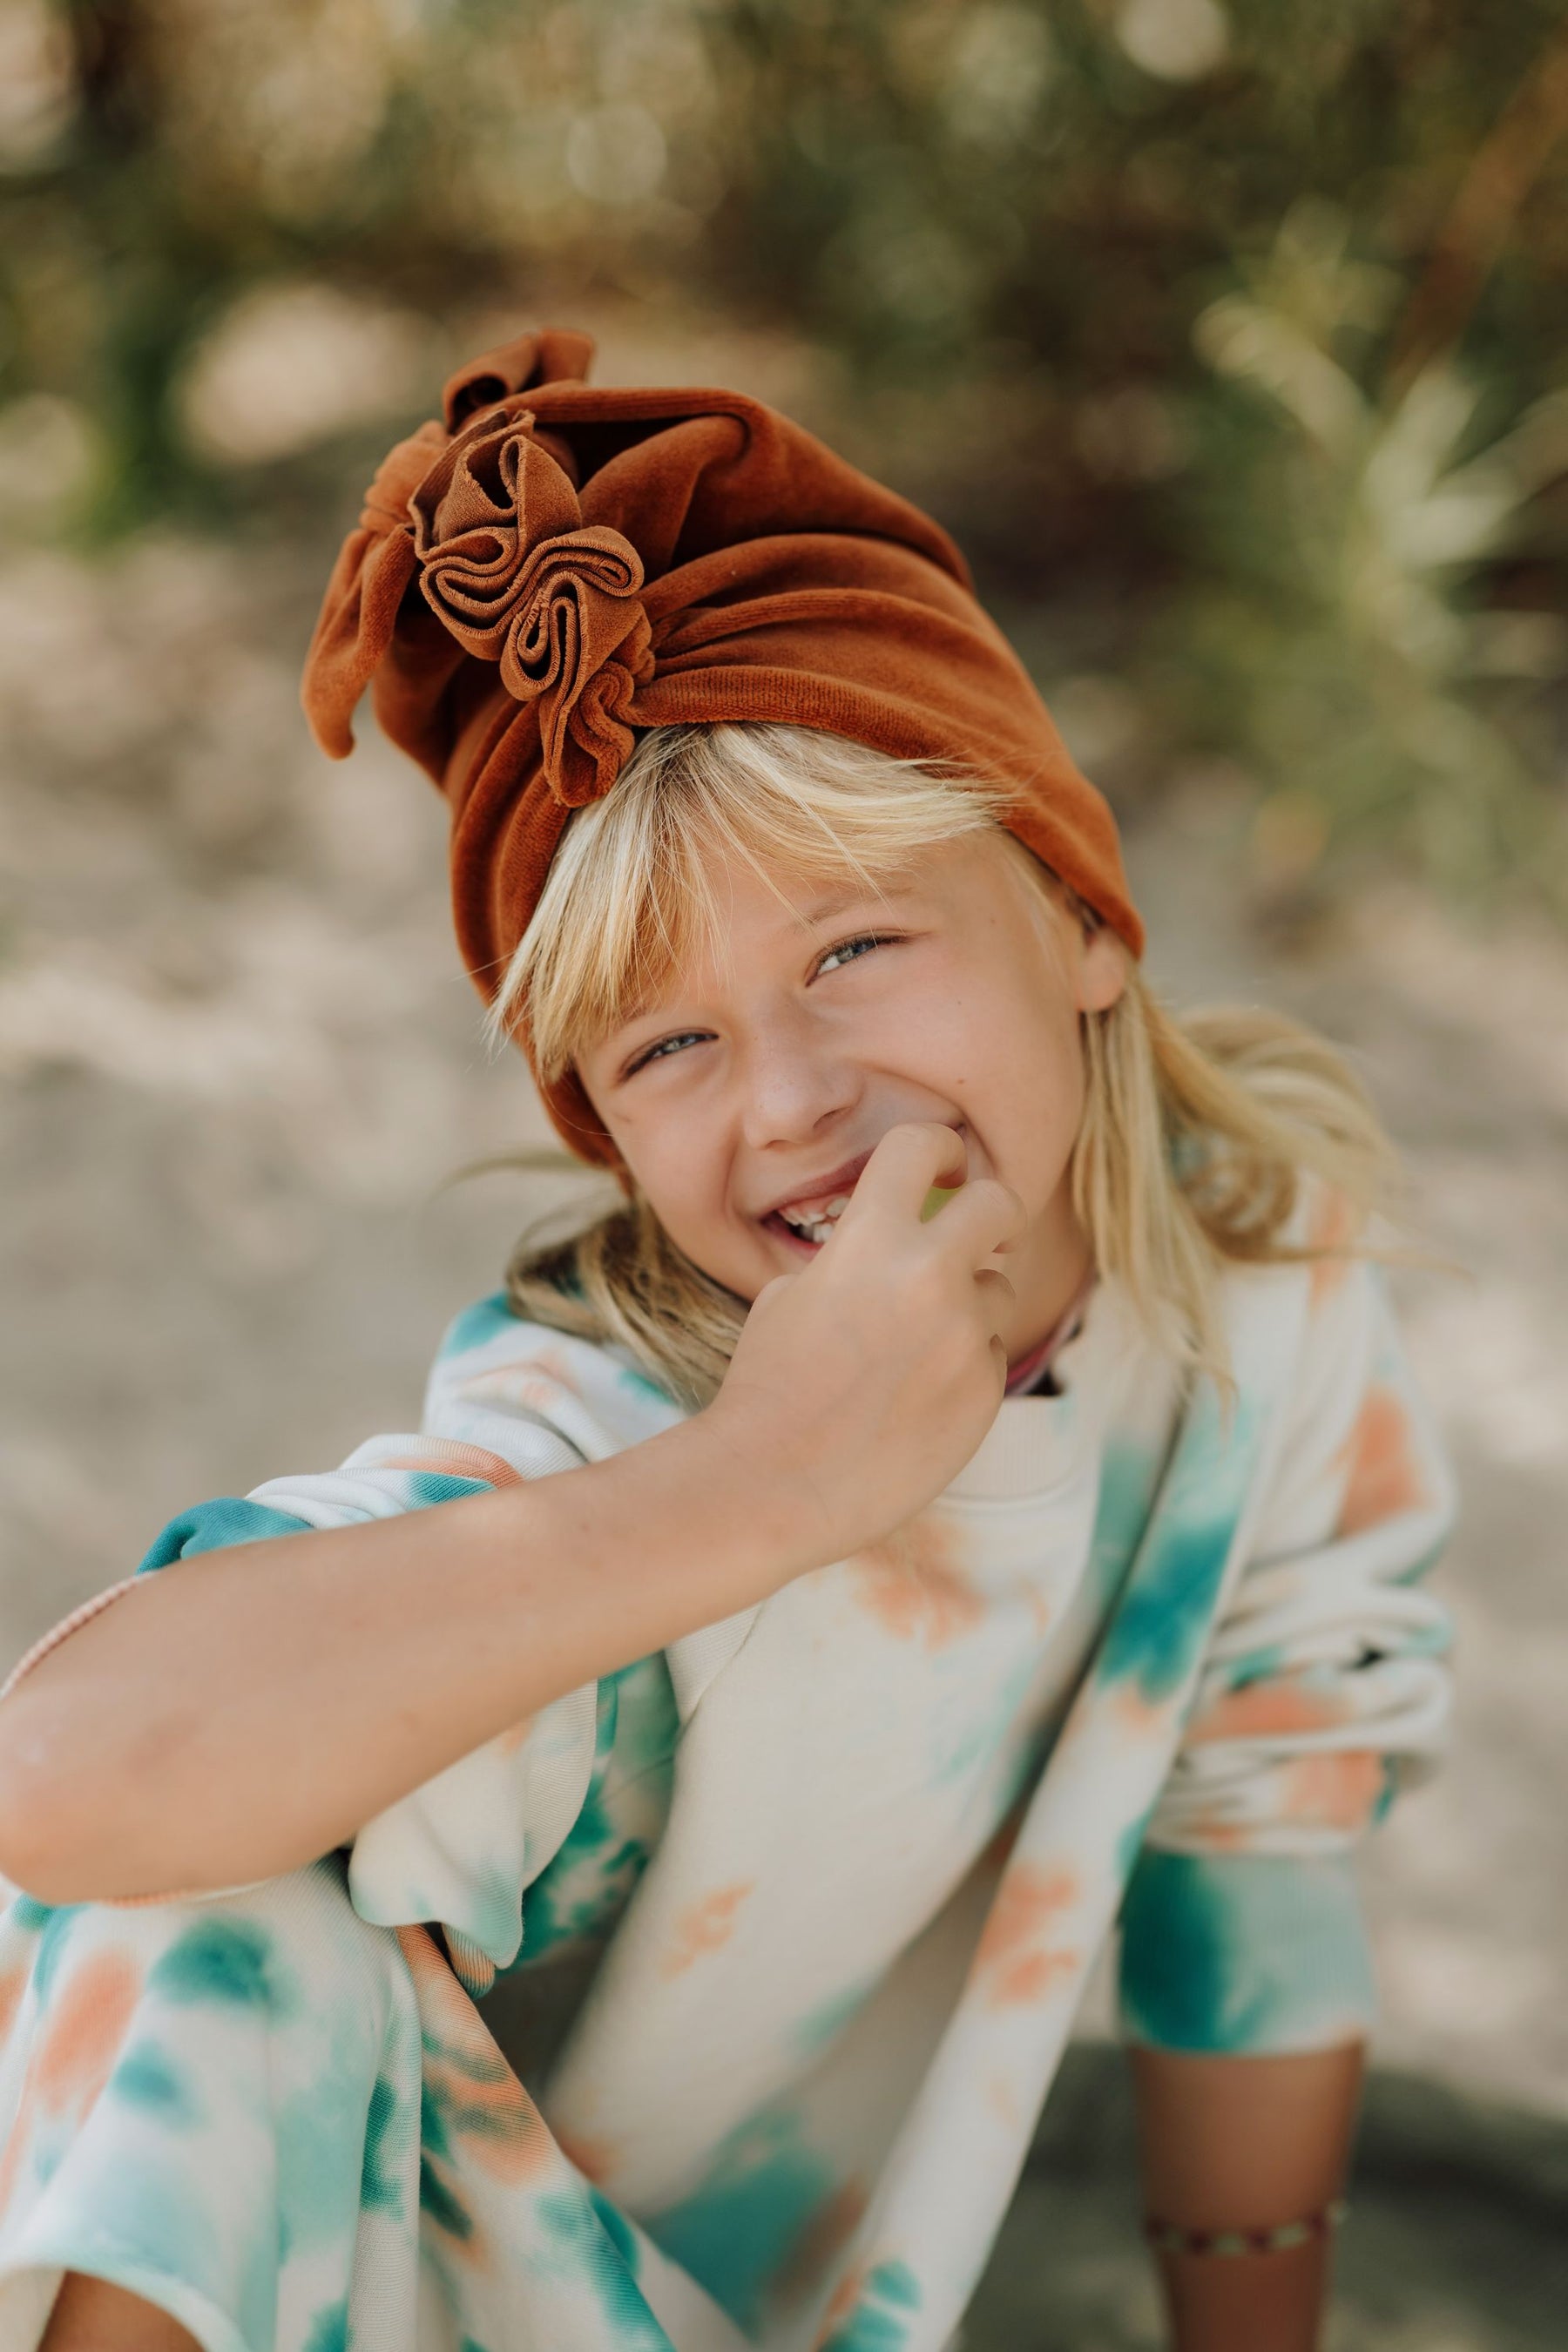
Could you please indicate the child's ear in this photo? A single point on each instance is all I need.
(1101, 970)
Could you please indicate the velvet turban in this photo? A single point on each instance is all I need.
(552, 568)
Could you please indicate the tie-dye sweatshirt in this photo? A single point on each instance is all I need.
(780, 1930)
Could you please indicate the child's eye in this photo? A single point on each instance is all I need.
(664, 1048)
(852, 950)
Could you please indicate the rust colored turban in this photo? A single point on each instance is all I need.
(553, 567)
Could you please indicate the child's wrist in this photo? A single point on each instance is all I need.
(767, 1526)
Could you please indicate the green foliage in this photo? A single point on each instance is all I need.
(1341, 630)
(1134, 291)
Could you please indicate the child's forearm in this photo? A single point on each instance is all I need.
(1245, 2143)
(235, 1716)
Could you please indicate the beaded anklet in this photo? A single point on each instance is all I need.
(1167, 2238)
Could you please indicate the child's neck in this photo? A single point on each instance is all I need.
(1025, 1373)
(1051, 1269)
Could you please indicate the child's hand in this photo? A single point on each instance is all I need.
(863, 1384)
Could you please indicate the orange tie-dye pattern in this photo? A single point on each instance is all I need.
(913, 1583)
(1339, 1792)
(82, 2034)
(78, 2043)
(826, 2232)
(1382, 1477)
(1003, 2100)
(447, 1458)
(1140, 1719)
(595, 2159)
(480, 2097)
(13, 1985)
(705, 1927)
(1265, 1710)
(1014, 1960)
(536, 1385)
(846, 2295)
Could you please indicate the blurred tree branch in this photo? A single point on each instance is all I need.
(1500, 177)
(233, 239)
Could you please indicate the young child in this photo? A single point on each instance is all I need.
(969, 1490)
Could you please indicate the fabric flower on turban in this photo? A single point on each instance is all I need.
(552, 568)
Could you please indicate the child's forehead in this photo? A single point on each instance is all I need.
(753, 909)
(743, 885)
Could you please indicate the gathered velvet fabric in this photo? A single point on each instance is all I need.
(551, 569)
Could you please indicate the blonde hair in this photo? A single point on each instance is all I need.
(1197, 1133)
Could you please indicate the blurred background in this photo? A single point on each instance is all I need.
(1229, 341)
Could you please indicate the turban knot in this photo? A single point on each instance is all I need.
(507, 562)
(521, 558)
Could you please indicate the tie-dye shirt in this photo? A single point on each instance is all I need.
(782, 1930)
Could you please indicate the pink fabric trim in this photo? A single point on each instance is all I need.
(447, 1454)
(62, 1632)
(1022, 1376)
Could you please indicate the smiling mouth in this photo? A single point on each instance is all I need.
(813, 1221)
(806, 1222)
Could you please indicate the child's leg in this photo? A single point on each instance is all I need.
(209, 2122)
(92, 2317)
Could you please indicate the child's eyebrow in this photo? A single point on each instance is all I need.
(855, 894)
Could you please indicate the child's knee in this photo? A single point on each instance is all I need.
(165, 2003)
(190, 2089)
(91, 2316)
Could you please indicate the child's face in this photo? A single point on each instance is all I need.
(747, 1095)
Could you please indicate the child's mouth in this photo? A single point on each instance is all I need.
(805, 1223)
(809, 1221)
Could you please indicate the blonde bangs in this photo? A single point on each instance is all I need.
(1197, 1135)
(631, 891)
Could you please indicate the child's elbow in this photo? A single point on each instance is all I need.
(52, 1835)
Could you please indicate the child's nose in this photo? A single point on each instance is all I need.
(793, 1085)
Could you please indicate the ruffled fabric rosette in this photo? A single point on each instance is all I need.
(552, 568)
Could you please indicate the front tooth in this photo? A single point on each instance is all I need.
(836, 1208)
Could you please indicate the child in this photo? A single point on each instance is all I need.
(968, 1490)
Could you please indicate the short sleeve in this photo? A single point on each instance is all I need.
(507, 1402)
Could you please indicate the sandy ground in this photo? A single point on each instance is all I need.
(239, 1060)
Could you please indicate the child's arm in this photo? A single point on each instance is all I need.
(242, 1714)
(1246, 1979)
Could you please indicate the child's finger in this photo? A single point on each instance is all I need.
(908, 1162)
(997, 1295)
(985, 1215)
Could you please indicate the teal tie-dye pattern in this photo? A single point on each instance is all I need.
(427, 1487)
(737, 2229)
(575, 2220)
(641, 1386)
(322, 2135)
(440, 2203)
(298, 2115)
(1237, 1954)
(1128, 1481)
(228, 1960)
(884, 2314)
(380, 2191)
(212, 1526)
(490, 1318)
(1158, 1627)
(330, 2330)
(824, 2023)
(148, 2076)
(53, 1928)
(583, 1889)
